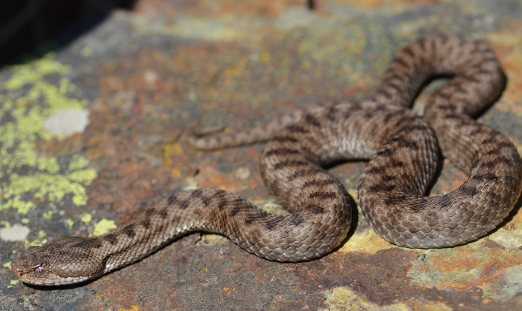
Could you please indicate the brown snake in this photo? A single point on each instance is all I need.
(403, 155)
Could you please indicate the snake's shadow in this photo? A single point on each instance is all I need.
(61, 287)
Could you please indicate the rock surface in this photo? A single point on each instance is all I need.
(144, 78)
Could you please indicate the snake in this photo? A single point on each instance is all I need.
(403, 149)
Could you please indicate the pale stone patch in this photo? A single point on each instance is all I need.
(67, 122)
(212, 239)
(242, 173)
(150, 77)
(505, 287)
(16, 233)
(345, 298)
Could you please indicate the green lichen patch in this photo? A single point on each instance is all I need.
(103, 226)
(36, 242)
(86, 218)
(12, 283)
(28, 100)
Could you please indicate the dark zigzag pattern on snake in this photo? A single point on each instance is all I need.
(403, 154)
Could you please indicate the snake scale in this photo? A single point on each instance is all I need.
(403, 150)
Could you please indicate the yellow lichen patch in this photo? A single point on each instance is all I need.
(85, 176)
(464, 267)
(236, 68)
(49, 214)
(77, 163)
(33, 72)
(344, 298)
(37, 242)
(212, 239)
(265, 57)
(51, 187)
(271, 207)
(12, 283)
(86, 218)
(103, 226)
(168, 149)
(86, 51)
(29, 100)
(365, 242)
(228, 290)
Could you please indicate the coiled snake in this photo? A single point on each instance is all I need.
(403, 154)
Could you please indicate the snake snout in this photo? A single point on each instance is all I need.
(16, 271)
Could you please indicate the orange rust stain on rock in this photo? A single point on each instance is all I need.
(358, 87)
(253, 153)
(52, 147)
(304, 89)
(457, 183)
(209, 177)
(451, 178)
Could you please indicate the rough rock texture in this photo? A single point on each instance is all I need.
(144, 78)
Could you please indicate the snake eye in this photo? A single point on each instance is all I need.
(40, 270)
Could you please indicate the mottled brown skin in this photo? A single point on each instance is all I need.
(403, 155)
(491, 160)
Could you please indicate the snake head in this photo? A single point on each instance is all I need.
(58, 263)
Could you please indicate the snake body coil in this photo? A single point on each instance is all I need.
(403, 154)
